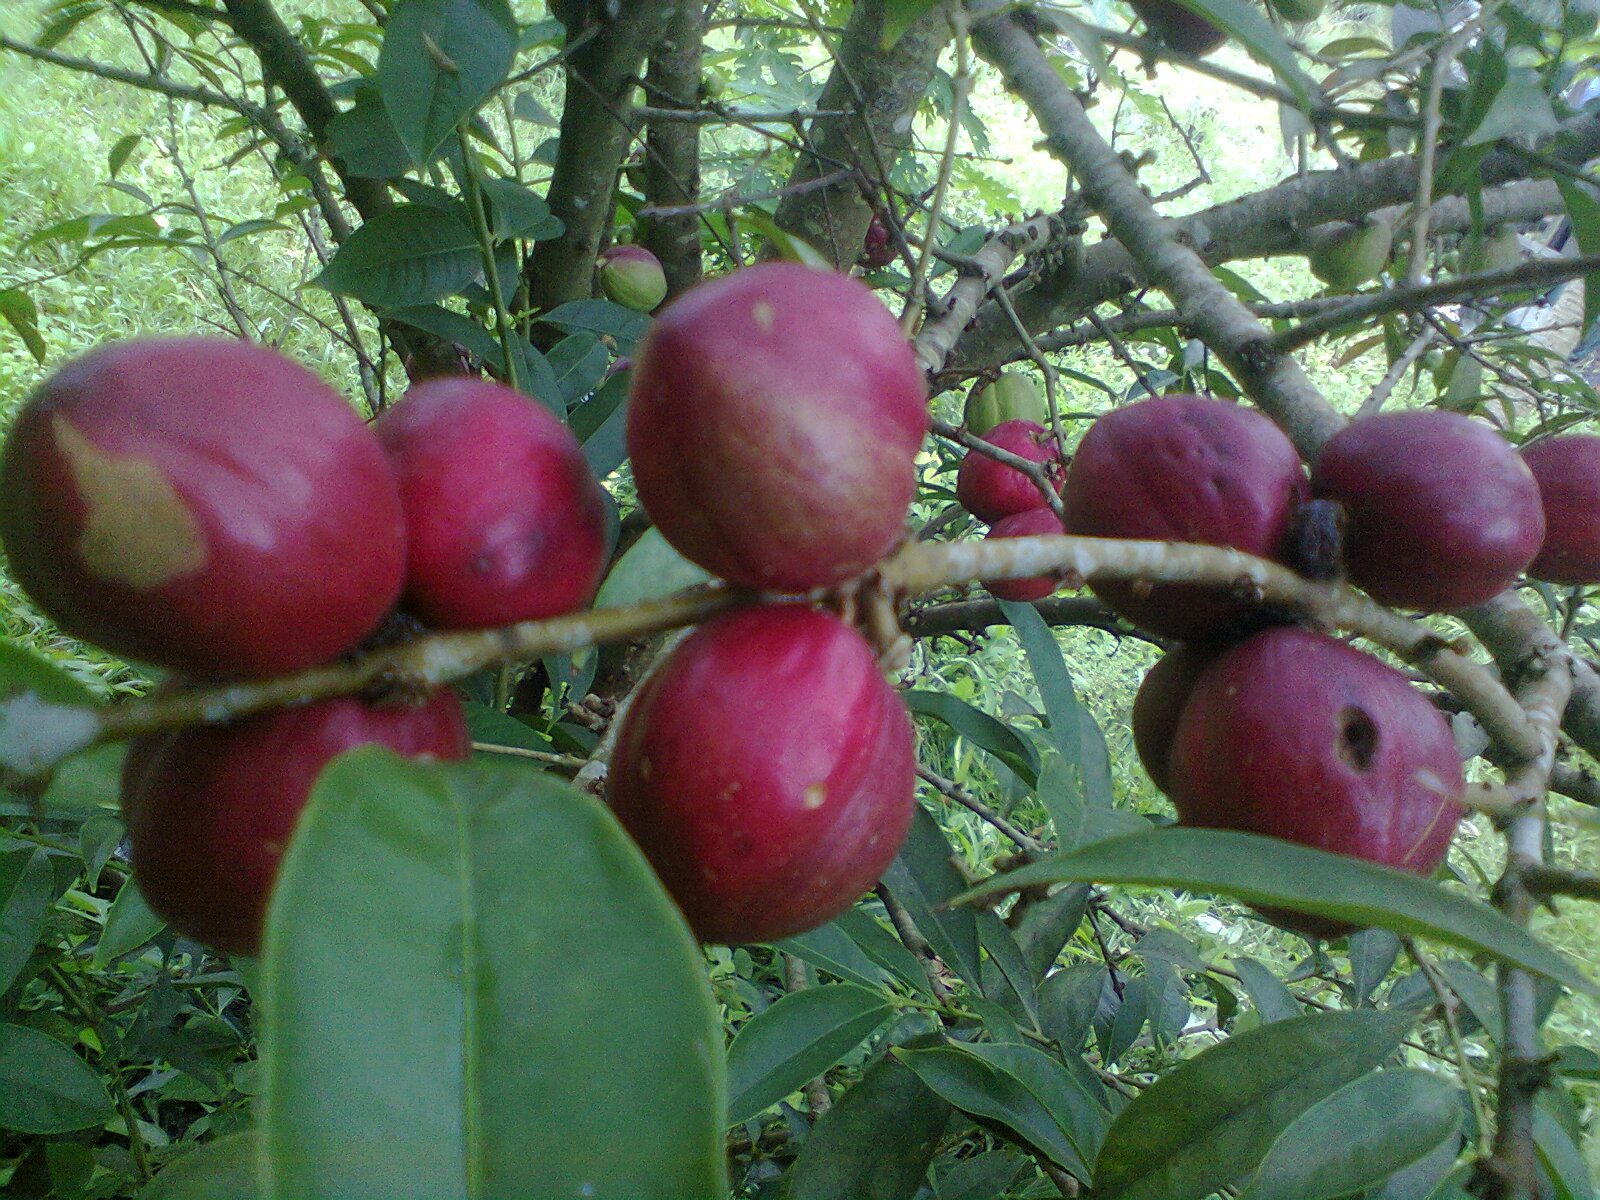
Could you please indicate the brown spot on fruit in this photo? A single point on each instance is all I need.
(137, 530)
(1358, 738)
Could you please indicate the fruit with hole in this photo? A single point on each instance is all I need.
(1441, 511)
(1567, 470)
(1177, 27)
(774, 420)
(766, 769)
(1159, 703)
(990, 489)
(204, 505)
(1012, 397)
(1298, 736)
(210, 808)
(1346, 256)
(1024, 524)
(632, 276)
(1184, 469)
(504, 520)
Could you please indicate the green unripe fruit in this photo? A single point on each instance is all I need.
(1012, 397)
(632, 277)
(1298, 10)
(1463, 383)
(713, 84)
(1350, 255)
(1498, 251)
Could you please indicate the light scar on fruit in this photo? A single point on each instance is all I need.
(137, 530)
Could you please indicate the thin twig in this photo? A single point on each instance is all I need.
(952, 790)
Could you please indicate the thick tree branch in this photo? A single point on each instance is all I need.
(601, 76)
(672, 158)
(881, 89)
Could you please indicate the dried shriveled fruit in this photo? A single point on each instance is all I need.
(767, 771)
(204, 505)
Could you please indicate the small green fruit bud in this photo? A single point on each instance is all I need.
(1351, 255)
(632, 277)
(1012, 397)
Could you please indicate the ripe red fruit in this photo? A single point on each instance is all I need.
(1179, 28)
(767, 771)
(210, 808)
(1024, 524)
(1298, 736)
(504, 520)
(1442, 511)
(204, 505)
(989, 490)
(774, 421)
(1184, 469)
(1158, 705)
(877, 249)
(1567, 469)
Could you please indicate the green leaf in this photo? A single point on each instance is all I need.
(1205, 1124)
(1007, 957)
(833, 950)
(1265, 871)
(452, 952)
(89, 782)
(46, 714)
(363, 138)
(453, 327)
(622, 325)
(224, 1169)
(884, 948)
(1250, 28)
(1560, 1156)
(650, 569)
(1372, 956)
(440, 60)
(117, 157)
(1583, 210)
(981, 729)
(795, 1040)
(1273, 1000)
(922, 879)
(899, 16)
(1521, 110)
(516, 210)
(129, 925)
(27, 886)
(46, 1088)
(984, 1084)
(412, 254)
(1361, 1134)
(17, 307)
(875, 1143)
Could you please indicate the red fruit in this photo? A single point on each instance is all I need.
(210, 808)
(504, 520)
(767, 772)
(1158, 705)
(204, 505)
(1179, 28)
(1024, 524)
(1298, 736)
(989, 489)
(1184, 469)
(1567, 469)
(1442, 512)
(774, 421)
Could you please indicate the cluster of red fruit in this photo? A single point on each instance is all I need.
(216, 510)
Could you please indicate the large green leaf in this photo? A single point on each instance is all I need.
(1272, 998)
(411, 255)
(1266, 871)
(46, 1088)
(832, 949)
(990, 1089)
(981, 729)
(922, 879)
(650, 569)
(224, 1169)
(440, 60)
(875, 1143)
(129, 925)
(795, 1040)
(27, 886)
(474, 986)
(45, 714)
(1361, 1134)
(1210, 1120)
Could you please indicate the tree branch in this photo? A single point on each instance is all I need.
(672, 151)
